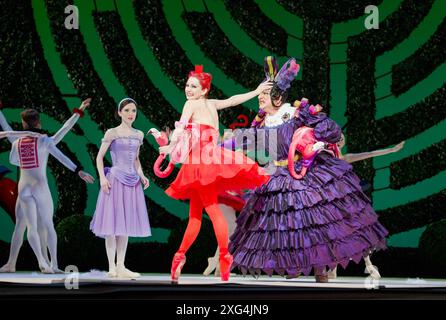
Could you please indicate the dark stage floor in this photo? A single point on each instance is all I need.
(96, 285)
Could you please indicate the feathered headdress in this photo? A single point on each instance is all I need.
(285, 76)
(270, 68)
(287, 73)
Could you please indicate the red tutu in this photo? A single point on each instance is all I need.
(211, 170)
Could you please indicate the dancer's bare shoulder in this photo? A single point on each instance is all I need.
(213, 103)
(193, 104)
(110, 135)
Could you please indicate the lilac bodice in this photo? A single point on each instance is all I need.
(124, 152)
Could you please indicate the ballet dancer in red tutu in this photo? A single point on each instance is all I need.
(207, 168)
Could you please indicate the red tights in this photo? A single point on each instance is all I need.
(193, 227)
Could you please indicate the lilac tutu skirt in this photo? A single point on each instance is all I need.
(123, 211)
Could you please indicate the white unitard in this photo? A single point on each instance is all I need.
(34, 207)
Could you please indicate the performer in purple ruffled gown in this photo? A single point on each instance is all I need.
(291, 226)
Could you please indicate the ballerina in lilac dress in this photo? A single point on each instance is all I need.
(298, 223)
(121, 208)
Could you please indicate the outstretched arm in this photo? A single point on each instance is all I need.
(70, 122)
(240, 98)
(6, 127)
(18, 134)
(62, 158)
(56, 153)
(353, 157)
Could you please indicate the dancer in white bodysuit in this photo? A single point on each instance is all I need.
(34, 207)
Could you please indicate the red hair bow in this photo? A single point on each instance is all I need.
(198, 68)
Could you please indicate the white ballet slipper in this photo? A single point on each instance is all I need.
(373, 271)
(123, 272)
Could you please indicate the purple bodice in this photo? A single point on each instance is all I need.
(325, 130)
(124, 152)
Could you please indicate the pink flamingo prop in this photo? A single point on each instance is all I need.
(162, 139)
(303, 141)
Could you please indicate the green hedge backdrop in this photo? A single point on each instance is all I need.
(382, 86)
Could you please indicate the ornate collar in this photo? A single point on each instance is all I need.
(285, 112)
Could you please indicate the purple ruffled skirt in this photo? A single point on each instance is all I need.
(291, 226)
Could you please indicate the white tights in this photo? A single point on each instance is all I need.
(116, 247)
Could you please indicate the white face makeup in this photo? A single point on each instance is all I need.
(265, 99)
(128, 113)
(193, 89)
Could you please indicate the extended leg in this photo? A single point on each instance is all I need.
(28, 204)
(16, 241)
(221, 232)
(332, 273)
(320, 274)
(47, 233)
(191, 233)
(220, 226)
(229, 215)
(371, 269)
(193, 225)
(43, 235)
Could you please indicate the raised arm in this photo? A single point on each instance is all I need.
(353, 157)
(71, 122)
(6, 127)
(240, 98)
